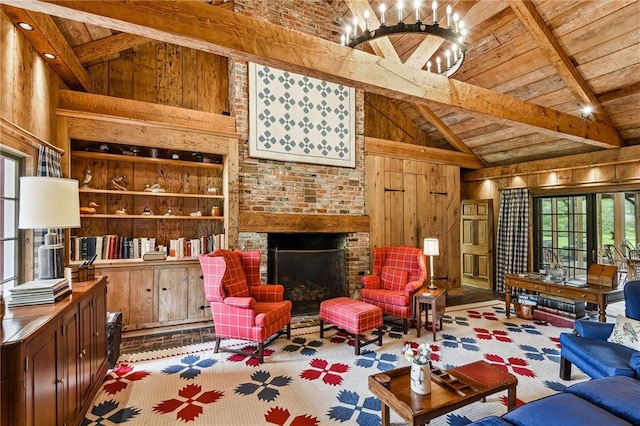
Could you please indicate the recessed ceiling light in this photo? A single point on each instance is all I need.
(49, 55)
(25, 26)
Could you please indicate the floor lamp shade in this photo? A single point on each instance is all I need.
(49, 203)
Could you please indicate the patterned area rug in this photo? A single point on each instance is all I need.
(313, 381)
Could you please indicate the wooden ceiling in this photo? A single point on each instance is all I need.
(530, 66)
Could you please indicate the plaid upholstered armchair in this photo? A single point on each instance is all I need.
(242, 307)
(398, 273)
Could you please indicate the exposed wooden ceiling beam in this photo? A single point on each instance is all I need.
(384, 45)
(103, 47)
(47, 38)
(215, 30)
(527, 13)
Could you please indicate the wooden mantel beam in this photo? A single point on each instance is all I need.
(215, 30)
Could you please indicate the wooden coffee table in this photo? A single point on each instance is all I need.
(450, 390)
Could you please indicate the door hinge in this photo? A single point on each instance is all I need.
(393, 190)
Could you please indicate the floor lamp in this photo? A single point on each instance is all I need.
(431, 249)
(49, 203)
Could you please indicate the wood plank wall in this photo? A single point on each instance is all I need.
(409, 200)
(166, 74)
(29, 87)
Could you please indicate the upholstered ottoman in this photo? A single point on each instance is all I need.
(354, 317)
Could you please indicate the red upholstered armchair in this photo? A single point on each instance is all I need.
(242, 307)
(398, 272)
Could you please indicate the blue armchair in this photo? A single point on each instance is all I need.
(589, 350)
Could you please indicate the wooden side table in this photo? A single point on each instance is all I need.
(437, 299)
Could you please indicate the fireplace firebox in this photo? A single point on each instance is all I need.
(311, 267)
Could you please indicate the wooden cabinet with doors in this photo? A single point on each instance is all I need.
(476, 239)
(54, 358)
(155, 294)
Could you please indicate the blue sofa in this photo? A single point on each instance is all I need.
(609, 401)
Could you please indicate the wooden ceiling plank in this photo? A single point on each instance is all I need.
(199, 26)
(108, 46)
(526, 11)
(451, 137)
(46, 37)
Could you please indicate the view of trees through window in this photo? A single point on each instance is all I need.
(578, 230)
(9, 243)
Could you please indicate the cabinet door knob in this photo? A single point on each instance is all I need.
(59, 381)
(148, 289)
(164, 289)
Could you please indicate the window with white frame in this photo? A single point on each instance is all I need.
(10, 244)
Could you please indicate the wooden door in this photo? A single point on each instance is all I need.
(476, 239)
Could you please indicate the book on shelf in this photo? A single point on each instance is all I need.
(560, 312)
(527, 299)
(107, 247)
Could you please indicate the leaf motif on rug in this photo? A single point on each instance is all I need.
(279, 416)
(191, 394)
(190, 367)
(109, 410)
(536, 354)
(330, 375)
(120, 377)
(365, 411)
(446, 319)
(468, 343)
(382, 362)
(306, 348)
(516, 365)
(261, 378)
(249, 360)
(491, 316)
(485, 334)
(519, 328)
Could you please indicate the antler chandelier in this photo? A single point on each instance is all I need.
(449, 57)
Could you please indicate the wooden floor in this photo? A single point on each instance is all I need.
(173, 339)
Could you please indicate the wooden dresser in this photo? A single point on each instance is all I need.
(54, 358)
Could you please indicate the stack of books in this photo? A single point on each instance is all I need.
(559, 311)
(39, 292)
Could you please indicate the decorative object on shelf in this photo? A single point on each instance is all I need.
(556, 272)
(154, 188)
(212, 190)
(448, 58)
(147, 211)
(420, 359)
(121, 212)
(87, 178)
(196, 213)
(100, 147)
(91, 209)
(120, 183)
(431, 249)
(131, 151)
(169, 212)
(215, 211)
(49, 203)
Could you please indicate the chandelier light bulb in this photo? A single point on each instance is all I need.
(454, 49)
(434, 6)
(347, 30)
(416, 5)
(428, 66)
(355, 26)
(449, 16)
(400, 6)
(342, 39)
(438, 60)
(366, 20)
(447, 54)
(383, 9)
(456, 18)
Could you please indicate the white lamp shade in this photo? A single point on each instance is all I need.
(431, 247)
(47, 202)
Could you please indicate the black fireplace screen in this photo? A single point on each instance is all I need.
(309, 276)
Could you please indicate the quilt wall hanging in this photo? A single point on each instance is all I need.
(298, 118)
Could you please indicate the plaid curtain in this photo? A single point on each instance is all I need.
(513, 231)
(48, 165)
